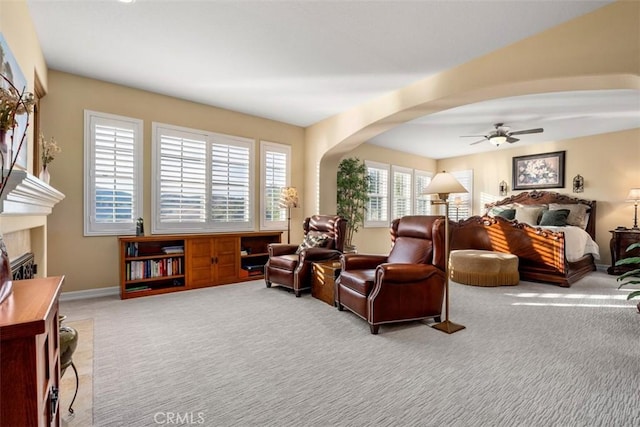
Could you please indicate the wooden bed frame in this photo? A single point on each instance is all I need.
(541, 252)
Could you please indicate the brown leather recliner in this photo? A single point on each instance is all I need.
(408, 284)
(287, 268)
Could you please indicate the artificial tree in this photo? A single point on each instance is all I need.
(353, 195)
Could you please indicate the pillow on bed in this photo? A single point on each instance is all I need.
(506, 213)
(555, 218)
(577, 213)
(528, 214)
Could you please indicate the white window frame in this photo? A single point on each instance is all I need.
(418, 198)
(266, 147)
(91, 226)
(384, 222)
(157, 226)
(396, 170)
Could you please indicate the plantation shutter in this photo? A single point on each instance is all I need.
(183, 178)
(230, 181)
(275, 176)
(377, 211)
(464, 208)
(203, 181)
(422, 201)
(113, 182)
(402, 183)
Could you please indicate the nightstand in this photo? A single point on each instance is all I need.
(324, 281)
(620, 241)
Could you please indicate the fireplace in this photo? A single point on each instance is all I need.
(24, 206)
(24, 267)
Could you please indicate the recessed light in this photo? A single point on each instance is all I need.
(126, 1)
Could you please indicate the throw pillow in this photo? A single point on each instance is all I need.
(313, 241)
(555, 218)
(506, 212)
(578, 215)
(528, 215)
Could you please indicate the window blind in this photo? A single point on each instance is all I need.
(113, 184)
(377, 211)
(402, 191)
(422, 201)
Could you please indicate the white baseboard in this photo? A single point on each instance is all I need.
(90, 293)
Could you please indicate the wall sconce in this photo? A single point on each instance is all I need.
(503, 188)
(578, 184)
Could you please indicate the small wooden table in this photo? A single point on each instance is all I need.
(621, 238)
(324, 281)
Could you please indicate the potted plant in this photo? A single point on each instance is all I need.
(633, 276)
(353, 195)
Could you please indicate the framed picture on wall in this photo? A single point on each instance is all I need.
(538, 171)
(10, 69)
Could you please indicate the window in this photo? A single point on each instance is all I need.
(275, 172)
(377, 212)
(461, 204)
(113, 177)
(422, 201)
(201, 181)
(402, 191)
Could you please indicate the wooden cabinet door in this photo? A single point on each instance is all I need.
(227, 259)
(200, 263)
(212, 261)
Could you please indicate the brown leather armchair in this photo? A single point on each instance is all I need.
(408, 284)
(292, 270)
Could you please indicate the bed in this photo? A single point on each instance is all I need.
(558, 254)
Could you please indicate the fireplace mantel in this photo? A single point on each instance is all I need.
(25, 194)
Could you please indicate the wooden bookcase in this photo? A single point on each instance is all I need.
(151, 265)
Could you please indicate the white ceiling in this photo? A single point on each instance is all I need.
(302, 61)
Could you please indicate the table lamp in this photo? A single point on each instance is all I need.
(634, 197)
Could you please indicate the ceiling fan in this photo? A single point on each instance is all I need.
(502, 134)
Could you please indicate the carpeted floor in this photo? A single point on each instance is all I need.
(245, 355)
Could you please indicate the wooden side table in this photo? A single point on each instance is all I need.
(324, 281)
(620, 241)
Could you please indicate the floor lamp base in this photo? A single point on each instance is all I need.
(448, 327)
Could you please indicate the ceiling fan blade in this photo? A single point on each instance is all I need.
(522, 132)
(473, 136)
(478, 142)
(511, 140)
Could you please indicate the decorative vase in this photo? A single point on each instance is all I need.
(44, 175)
(68, 344)
(6, 282)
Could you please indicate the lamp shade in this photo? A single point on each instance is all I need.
(289, 197)
(443, 184)
(634, 195)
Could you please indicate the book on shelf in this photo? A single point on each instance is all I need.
(173, 249)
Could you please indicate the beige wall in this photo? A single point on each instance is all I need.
(609, 164)
(92, 262)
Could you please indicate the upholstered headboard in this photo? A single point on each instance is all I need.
(546, 197)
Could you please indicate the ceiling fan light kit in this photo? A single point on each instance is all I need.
(497, 140)
(502, 134)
